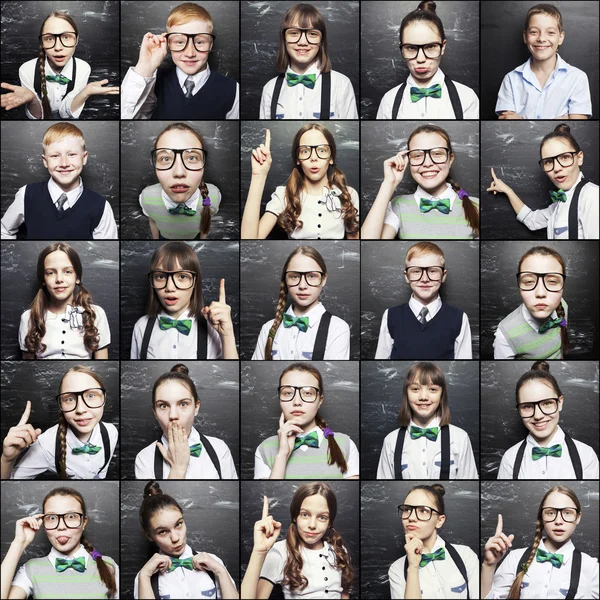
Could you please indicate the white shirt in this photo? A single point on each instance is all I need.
(556, 216)
(300, 102)
(192, 202)
(170, 344)
(292, 344)
(263, 471)
(321, 216)
(422, 458)
(15, 214)
(542, 580)
(64, 333)
(440, 578)
(138, 100)
(22, 580)
(199, 467)
(430, 108)
(549, 467)
(318, 567)
(61, 108)
(186, 583)
(462, 344)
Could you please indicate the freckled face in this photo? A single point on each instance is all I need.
(168, 530)
(63, 538)
(174, 403)
(422, 529)
(540, 302)
(563, 178)
(82, 419)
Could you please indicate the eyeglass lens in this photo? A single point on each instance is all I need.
(548, 406)
(307, 393)
(437, 155)
(293, 35)
(67, 39)
(305, 152)
(553, 282)
(564, 160)
(410, 51)
(178, 42)
(92, 398)
(164, 158)
(569, 515)
(71, 520)
(312, 278)
(183, 280)
(423, 513)
(416, 273)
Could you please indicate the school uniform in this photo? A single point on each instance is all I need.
(422, 458)
(83, 215)
(321, 216)
(171, 344)
(429, 107)
(61, 107)
(440, 578)
(301, 102)
(405, 215)
(319, 568)
(64, 333)
(456, 333)
(291, 343)
(307, 462)
(39, 578)
(542, 579)
(566, 92)
(199, 467)
(549, 467)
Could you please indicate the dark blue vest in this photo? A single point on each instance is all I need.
(434, 340)
(213, 101)
(44, 222)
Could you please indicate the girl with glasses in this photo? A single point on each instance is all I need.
(304, 446)
(573, 210)
(315, 203)
(309, 331)
(548, 452)
(72, 568)
(439, 208)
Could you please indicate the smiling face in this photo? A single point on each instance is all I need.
(543, 37)
(559, 531)
(190, 60)
(65, 160)
(563, 178)
(541, 426)
(540, 302)
(302, 412)
(58, 56)
(304, 296)
(60, 277)
(168, 530)
(422, 68)
(313, 521)
(174, 301)
(83, 419)
(430, 176)
(63, 538)
(423, 530)
(424, 401)
(314, 168)
(302, 54)
(174, 403)
(425, 290)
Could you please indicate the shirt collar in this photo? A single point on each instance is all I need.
(529, 318)
(312, 314)
(72, 196)
(183, 315)
(435, 422)
(439, 77)
(67, 70)
(81, 551)
(447, 193)
(193, 438)
(433, 307)
(439, 543)
(557, 438)
(192, 202)
(74, 442)
(569, 193)
(566, 550)
(199, 78)
(312, 70)
(529, 75)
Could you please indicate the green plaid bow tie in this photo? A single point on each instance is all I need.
(435, 91)
(430, 433)
(306, 80)
(550, 323)
(62, 564)
(87, 448)
(555, 559)
(300, 322)
(558, 196)
(196, 449)
(311, 440)
(58, 79)
(439, 554)
(538, 451)
(443, 205)
(186, 563)
(182, 209)
(183, 326)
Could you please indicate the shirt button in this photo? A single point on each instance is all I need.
(319, 215)
(63, 342)
(64, 332)
(422, 114)
(323, 568)
(423, 450)
(300, 114)
(423, 464)
(543, 472)
(318, 237)
(174, 346)
(319, 225)
(539, 117)
(326, 578)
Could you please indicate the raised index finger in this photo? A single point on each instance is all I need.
(499, 526)
(268, 139)
(265, 512)
(222, 291)
(25, 416)
(493, 174)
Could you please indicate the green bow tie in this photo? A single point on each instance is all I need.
(58, 79)
(183, 326)
(306, 80)
(555, 559)
(550, 323)
(182, 209)
(439, 554)
(538, 451)
(430, 433)
(443, 205)
(186, 563)
(196, 449)
(311, 440)
(300, 322)
(62, 564)
(87, 448)
(435, 91)
(558, 196)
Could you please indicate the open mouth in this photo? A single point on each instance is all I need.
(541, 425)
(83, 422)
(171, 300)
(301, 51)
(58, 58)
(63, 539)
(179, 189)
(424, 405)
(429, 174)
(560, 178)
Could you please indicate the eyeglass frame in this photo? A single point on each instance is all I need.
(71, 512)
(180, 153)
(555, 158)
(298, 390)
(413, 508)
(423, 271)
(425, 153)
(192, 36)
(311, 152)
(170, 274)
(560, 510)
(57, 35)
(305, 32)
(538, 275)
(78, 395)
(421, 48)
(303, 274)
(537, 406)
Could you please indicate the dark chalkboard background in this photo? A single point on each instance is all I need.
(100, 262)
(381, 398)
(217, 385)
(382, 64)
(383, 285)
(262, 263)
(211, 511)
(382, 535)
(98, 25)
(221, 141)
(512, 148)
(381, 140)
(261, 410)
(502, 25)
(501, 426)
(500, 294)
(260, 42)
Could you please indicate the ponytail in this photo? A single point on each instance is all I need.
(62, 438)
(335, 455)
(206, 205)
(515, 588)
(47, 111)
(282, 301)
(471, 211)
(564, 331)
(106, 573)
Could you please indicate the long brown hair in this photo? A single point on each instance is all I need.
(41, 302)
(292, 572)
(289, 219)
(180, 373)
(106, 573)
(424, 12)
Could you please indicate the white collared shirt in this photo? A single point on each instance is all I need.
(192, 202)
(170, 344)
(429, 108)
(199, 467)
(543, 580)
(549, 467)
(300, 102)
(138, 100)
(440, 578)
(292, 344)
(462, 344)
(15, 214)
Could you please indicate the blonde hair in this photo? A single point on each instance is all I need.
(59, 132)
(186, 12)
(421, 248)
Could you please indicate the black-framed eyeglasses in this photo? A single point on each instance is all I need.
(183, 280)
(565, 159)
(432, 50)
(438, 156)
(72, 520)
(548, 406)
(308, 393)
(48, 40)
(92, 398)
(177, 42)
(312, 278)
(305, 152)
(293, 35)
(416, 273)
(568, 514)
(193, 159)
(553, 282)
(423, 513)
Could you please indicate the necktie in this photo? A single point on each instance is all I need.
(306, 80)
(435, 91)
(555, 559)
(62, 564)
(430, 433)
(558, 196)
(183, 326)
(443, 205)
(186, 563)
(551, 323)
(423, 315)
(311, 440)
(196, 449)
(61, 79)
(182, 209)
(87, 448)
(61, 202)
(538, 452)
(439, 554)
(189, 86)
(300, 322)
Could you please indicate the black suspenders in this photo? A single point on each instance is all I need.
(325, 95)
(574, 211)
(154, 579)
(445, 468)
(321, 340)
(452, 92)
(105, 447)
(202, 338)
(206, 445)
(37, 79)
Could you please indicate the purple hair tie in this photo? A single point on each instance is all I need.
(206, 201)
(563, 323)
(327, 432)
(95, 554)
(462, 194)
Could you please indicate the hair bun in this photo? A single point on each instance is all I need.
(562, 128)
(180, 368)
(428, 5)
(439, 488)
(540, 365)
(152, 489)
